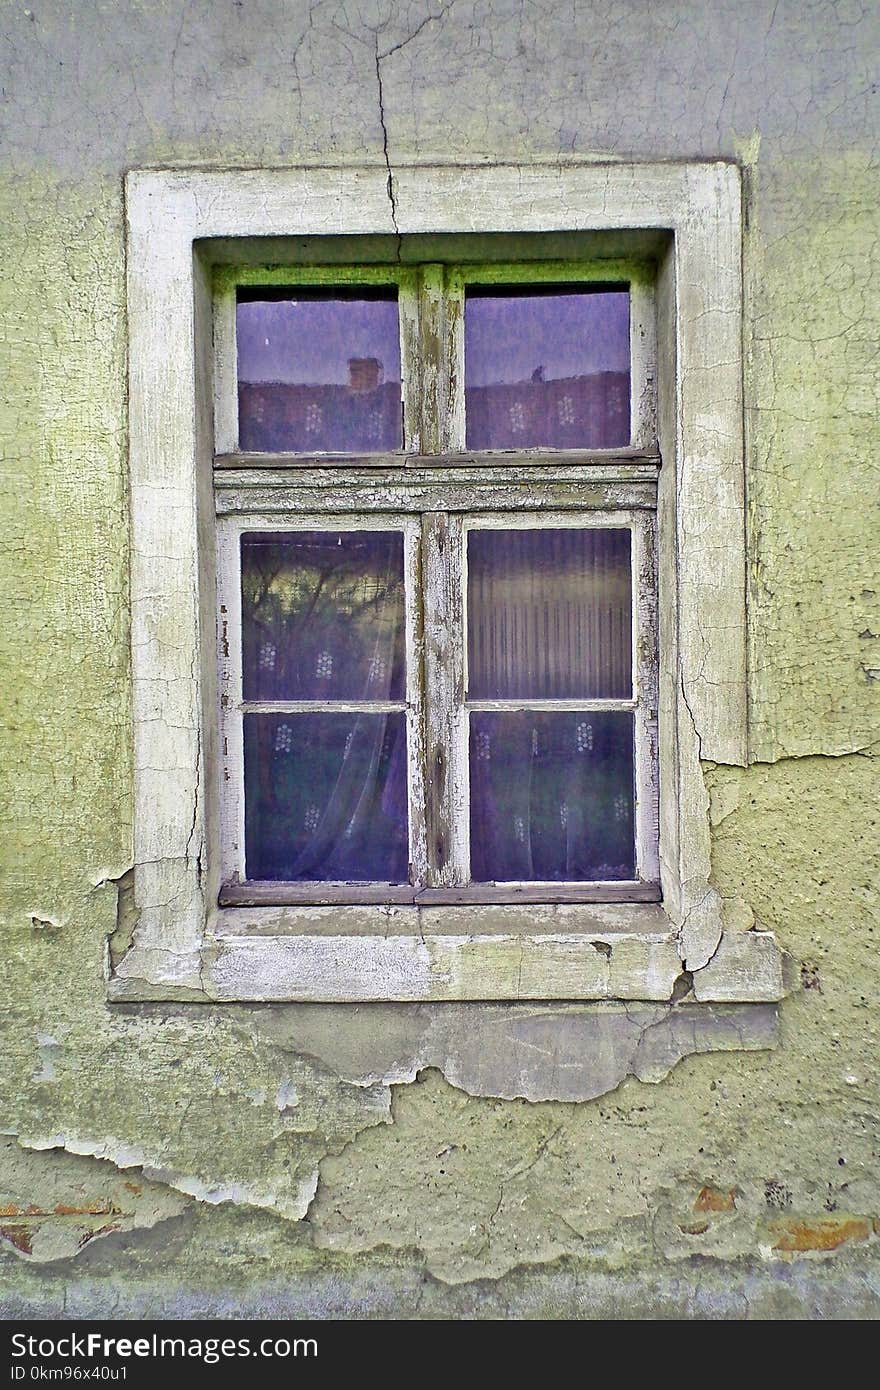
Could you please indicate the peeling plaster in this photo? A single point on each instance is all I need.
(52, 1205)
(567, 1053)
(291, 1205)
(574, 1053)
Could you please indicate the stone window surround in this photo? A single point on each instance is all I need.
(173, 941)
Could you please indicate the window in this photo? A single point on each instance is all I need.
(459, 715)
(438, 670)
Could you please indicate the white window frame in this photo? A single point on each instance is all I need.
(183, 945)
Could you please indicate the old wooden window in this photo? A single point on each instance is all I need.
(481, 518)
(436, 493)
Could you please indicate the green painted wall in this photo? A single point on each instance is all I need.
(183, 1144)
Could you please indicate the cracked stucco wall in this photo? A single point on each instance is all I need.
(385, 1160)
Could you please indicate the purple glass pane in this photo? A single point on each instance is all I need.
(547, 368)
(552, 797)
(319, 371)
(549, 614)
(322, 615)
(326, 797)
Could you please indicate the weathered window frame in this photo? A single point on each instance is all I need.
(435, 484)
(183, 945)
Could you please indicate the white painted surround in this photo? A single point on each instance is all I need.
(183, 945)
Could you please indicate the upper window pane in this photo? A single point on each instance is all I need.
(322, 615)
(546, 367)
(549, 614)
(318, 370)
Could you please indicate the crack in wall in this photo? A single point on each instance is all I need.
(392, 200)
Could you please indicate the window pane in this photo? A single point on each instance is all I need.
(552, 796)
(546, 367)
(549, 614)
(322, 615)
(326, 797)
(318, 371)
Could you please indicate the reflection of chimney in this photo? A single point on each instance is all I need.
(364, 373)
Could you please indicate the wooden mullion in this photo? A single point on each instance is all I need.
(410, 377)
(452, 425)
(443, 700)
(432, 315)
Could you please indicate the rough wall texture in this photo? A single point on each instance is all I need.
(390, 1161)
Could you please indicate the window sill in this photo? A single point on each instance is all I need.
(274, 894)
(415, 953)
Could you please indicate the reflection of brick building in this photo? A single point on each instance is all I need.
(364, 416)
(277, 416)
(568, 413)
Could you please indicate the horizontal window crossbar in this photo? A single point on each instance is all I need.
(628, 458)
(412, 493)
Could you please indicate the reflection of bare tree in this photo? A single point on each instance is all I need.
(299, 599)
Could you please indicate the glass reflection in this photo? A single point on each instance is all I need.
(326, 797)
(322, 615)
(552, 797)
(547, 367)
(318, 371)
(549, 614)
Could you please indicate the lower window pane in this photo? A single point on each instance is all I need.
(552, 796)
(326, 797)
